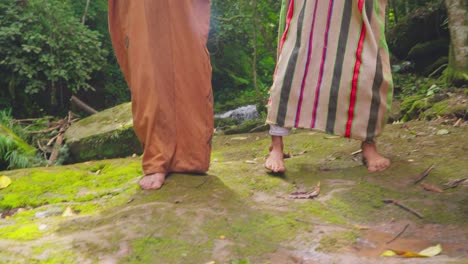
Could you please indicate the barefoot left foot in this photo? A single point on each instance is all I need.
(372, 158)
(153, 181)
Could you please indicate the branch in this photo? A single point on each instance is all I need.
(83, 105)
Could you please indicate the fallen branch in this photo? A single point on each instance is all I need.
(65, 124)
(44, 131)
(388, 201)
(83, 105)
(398, 235)
(424, 174)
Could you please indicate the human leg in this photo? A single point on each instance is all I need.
(372, 158)
(275, 160)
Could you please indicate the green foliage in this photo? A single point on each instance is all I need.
(242, 43)
(14, 152)
(46, 53)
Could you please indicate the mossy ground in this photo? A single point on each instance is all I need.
(238, 213)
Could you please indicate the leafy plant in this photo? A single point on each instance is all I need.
(45, 52)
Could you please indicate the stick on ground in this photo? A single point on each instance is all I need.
(387, 201)
(424, 174)
(398, 235)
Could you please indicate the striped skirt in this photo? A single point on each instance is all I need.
(333, 71)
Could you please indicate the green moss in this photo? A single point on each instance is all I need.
(53, 254)
(336, 241)
(448, 108)
(363, 202)
(413, 106)
(80, 183)
(23, 233)
(247, 126)
(165, 250)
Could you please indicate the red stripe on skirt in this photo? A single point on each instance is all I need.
(286, 30)
(357, 68)
(309, 54)
(322, 66)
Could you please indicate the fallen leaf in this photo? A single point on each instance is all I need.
(442, 132)
(388, 253)
(222, 237)
(406, 254)
(68, 212)
(431, 188)
(305, 195)
(239, 138)
(4, 182)
(426, 253)
(431, 251)
(361, 227)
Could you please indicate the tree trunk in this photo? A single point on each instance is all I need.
(255, 52)
(457, 71)
(83, 19)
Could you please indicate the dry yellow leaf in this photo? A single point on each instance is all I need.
(431, 251)
(4, 182)
(388, 253)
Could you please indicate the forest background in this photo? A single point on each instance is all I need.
(51, 50)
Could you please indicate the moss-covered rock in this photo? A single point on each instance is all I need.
(422, 25)
(413, 106)
(107, 134)
(430, 55)
(453, 107)
(239, 211)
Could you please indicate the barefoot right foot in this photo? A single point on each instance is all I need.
(152, 181)
(275, 160)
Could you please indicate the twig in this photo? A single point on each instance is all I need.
(45, 130)
(424, 174)
(454, 183)
(83, 105)
(387, 201)
(255, 128)
(356, 152)
(398, 235)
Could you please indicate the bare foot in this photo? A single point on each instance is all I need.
(152, 181)
(275, 160)
(372, 159)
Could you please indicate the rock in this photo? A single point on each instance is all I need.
(430, 55)
(54, 211)
(243, 113)
(107, 134)
(421, 25)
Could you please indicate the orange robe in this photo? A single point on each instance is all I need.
(161, 49)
